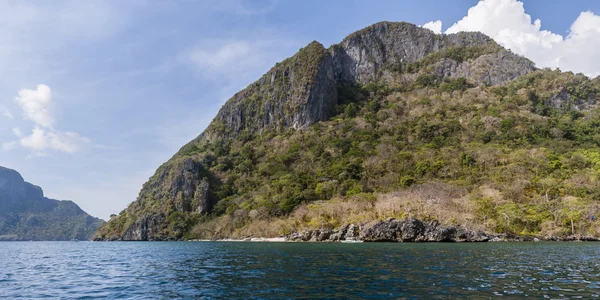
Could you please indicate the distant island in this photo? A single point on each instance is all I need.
(394, 134)
(25, 214)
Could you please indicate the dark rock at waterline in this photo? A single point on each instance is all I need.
(413, 230)
(382, 231)
(471, 236)
(394, 230)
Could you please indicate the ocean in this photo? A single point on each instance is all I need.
(245, 270)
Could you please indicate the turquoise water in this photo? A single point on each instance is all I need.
(298, 270)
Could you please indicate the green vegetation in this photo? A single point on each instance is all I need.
(25, 214)
(521, 158)
(46, 220)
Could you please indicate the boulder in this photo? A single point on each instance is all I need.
(382, 231)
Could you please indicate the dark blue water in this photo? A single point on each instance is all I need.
(298, 270)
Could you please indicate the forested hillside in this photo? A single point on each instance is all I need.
(395, 121)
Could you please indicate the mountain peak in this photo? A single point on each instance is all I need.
(384, 49)
(12, 185)
(25, 214)
(296, 93)
(301, 90)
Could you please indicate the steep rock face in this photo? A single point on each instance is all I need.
(179, 187)
(12, 186)
(490, 69)
(361, 55)
(33, 191)
(296, 93)
(147, 228)
(367, 55)
(180, 182)
(25, 214)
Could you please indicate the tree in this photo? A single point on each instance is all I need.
(572, 209)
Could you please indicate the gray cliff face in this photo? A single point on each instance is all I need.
(33, 191)
(489, 69)
(12, 186)
(296, 93)
(25, 214)
(321, 98)
(365, 56)
(147, 228)
(202, 200)
(186, 182)
(362, 55)
(301, 90)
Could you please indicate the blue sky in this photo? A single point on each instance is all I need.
(95, 95)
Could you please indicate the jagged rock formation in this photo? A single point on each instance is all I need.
(301, 90)
(311, 87)
(25, 214)
(394, 230)
(377, 51)
(416, 231)
(296, 93)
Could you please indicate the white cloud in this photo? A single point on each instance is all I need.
(507, 23)
(5, 112)
(9, 145)
(435, 26)
(36, 106)
(17, 132)
(41, 139)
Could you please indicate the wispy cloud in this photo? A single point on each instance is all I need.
(9, 145)
(235, 63)
(233, 56)
(242, 7)
(35, 36)
(5, 112)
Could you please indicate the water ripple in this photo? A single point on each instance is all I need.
(37, 270)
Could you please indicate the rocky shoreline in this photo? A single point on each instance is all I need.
(413, 230)
(397, 231)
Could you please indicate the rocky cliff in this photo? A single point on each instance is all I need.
(381, 50)
(394, 230)
(301, 90)
(25, 214)
(296, 93)
(317, 124)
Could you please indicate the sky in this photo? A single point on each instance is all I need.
(95, 95)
